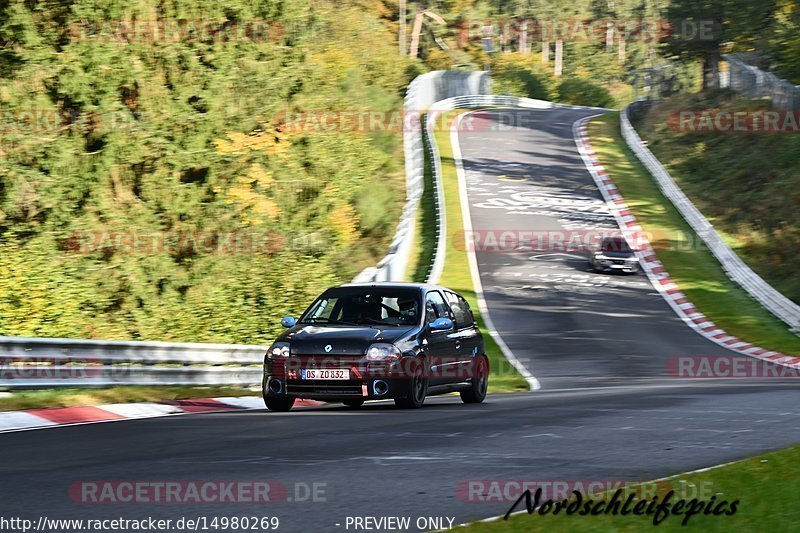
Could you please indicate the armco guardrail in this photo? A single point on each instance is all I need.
(775, 302)
(27, 363)
(752, 81)
(423, 91)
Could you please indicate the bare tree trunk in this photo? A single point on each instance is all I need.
(462, 35)
(621, 52)
(609, 36)
(559, 57)
(504, 41)
(711, 70)
(523, 39)
(401, 38)
(545, 52)
(416, 30)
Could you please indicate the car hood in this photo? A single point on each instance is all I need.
(310, 339)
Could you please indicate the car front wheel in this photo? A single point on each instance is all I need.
(416, 389)
(476, 393)
(279, 404)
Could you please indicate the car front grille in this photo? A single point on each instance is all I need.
(324, 361)
(321, 387)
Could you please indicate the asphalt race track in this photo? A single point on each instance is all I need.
(566, 324)
(599, 345)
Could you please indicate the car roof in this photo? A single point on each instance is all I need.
(396, 285)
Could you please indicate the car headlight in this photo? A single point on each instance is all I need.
(382, 352)
(278, 350)
(633, 260)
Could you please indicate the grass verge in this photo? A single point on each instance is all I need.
(37, 399)
(746, 184)
(694, 268)
(763, 485)
(456, 274)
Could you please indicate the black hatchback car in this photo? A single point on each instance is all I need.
(360, 342)
(614, 255)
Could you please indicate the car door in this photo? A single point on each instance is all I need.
(441, 344)
(468, 342)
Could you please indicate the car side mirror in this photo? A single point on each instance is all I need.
(441, 324)
(288, 321)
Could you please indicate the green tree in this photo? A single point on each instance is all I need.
(702, 28)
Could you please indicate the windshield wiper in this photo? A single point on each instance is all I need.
(378, 322)
(325, 320)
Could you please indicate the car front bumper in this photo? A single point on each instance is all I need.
(374, 383)
(618, 267)
(335, 390)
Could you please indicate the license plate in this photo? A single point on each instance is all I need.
(332, 374)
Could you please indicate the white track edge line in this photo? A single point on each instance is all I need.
(533, 383)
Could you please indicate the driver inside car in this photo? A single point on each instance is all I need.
(408, 310)
(357, 311)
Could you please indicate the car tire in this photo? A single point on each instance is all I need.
(279, 404)
(479, 384)
(416, 389)
(354, 404)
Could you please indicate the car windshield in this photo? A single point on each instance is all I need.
(365, 306)
(616, 245)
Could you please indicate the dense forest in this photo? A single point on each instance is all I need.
(150, 187)
(147, 190)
